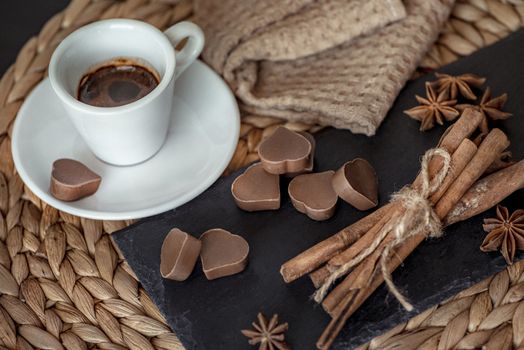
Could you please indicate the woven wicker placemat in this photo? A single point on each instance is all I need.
(63, 284)
(488, 315)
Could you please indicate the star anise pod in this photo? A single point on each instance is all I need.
(270, 335)
(434, 108)
(491, 108)
(461, 83)
(506, 233)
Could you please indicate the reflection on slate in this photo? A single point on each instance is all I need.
(209, 314)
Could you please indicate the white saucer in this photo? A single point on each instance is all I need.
(201, 141)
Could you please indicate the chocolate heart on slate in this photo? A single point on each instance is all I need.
(284, 152)
(72, 180)
(313, 195)
(223, 253)
(178, 255)
(311, 157)
(256, 189)
(356, 183)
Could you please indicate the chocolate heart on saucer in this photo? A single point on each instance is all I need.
(72, 180)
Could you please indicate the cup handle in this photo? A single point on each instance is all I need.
(192, 48)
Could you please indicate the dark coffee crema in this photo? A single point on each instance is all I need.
(117, 82)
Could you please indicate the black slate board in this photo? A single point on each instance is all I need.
(209, 314)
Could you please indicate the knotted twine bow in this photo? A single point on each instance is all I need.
(418, 218)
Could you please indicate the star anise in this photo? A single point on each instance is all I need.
(434, 108)
(491, 108)
(461, 83)
(506, 233)
(270, 334)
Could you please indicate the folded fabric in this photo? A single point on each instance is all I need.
(330, 62)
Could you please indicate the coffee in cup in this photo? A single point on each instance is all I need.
(117, 82)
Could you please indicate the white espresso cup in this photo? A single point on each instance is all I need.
(131, 133)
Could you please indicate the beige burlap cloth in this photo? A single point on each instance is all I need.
(331, 62)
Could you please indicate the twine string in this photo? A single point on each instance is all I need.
(418, 218)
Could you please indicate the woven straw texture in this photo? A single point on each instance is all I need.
(63, 284)
(489, 315)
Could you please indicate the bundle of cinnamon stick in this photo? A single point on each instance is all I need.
(464, 193)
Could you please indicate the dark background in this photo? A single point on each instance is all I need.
(19, 21)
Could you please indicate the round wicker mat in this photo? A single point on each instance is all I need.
(63, 284)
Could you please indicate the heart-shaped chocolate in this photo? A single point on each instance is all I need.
(284, 152)
(223, 253)
(311, 158)
(313, 195)
(72, 180)
(256, 189)
(356, 183)
(178, 255)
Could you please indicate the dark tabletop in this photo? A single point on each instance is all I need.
(19, 21)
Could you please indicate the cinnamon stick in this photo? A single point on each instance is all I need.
(460, 159)
(358, 279)
(492, 145)
(480, 161)
(500, 163)
(363, 242)
(341, 263)
(332, 330)
(483, 195)
(318, 277)
(488, 192)
(318, 254)
(352, 301)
